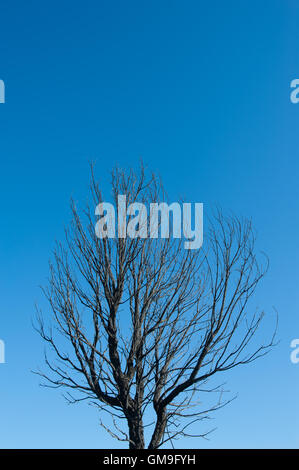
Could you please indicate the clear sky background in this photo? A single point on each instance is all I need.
(199, 90)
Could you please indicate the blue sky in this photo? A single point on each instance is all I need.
(199, 90)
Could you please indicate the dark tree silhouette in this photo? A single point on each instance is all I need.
(142, 323)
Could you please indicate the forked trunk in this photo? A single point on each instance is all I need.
(136, 432)
(158, 431)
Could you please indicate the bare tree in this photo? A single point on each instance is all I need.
(143, 324)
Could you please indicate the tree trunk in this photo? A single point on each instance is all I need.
(136, 432)
(159, 430)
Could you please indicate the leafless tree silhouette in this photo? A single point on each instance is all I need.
(142, 324)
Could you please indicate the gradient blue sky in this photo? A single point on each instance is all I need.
(201, 91)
